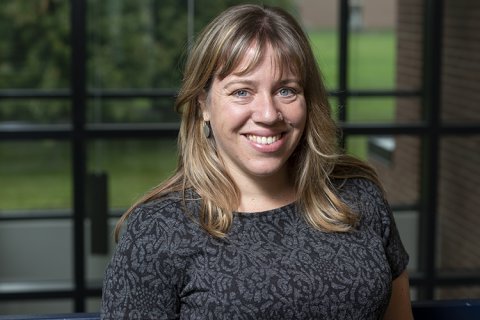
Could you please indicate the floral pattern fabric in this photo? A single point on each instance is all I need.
(272, 265)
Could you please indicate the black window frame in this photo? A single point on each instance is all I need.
(430, 130)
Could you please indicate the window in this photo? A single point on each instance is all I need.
(86, 95)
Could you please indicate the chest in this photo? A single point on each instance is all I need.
(288, 271)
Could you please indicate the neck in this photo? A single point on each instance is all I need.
(265, 193)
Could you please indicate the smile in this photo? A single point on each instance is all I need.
(263, 140)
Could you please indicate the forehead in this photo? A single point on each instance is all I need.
(255, 55)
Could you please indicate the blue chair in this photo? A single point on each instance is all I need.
(68, 316)
(465, 309)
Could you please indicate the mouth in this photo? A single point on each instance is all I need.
(264, 140)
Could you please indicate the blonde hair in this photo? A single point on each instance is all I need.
(218, 50)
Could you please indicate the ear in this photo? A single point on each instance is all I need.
(202, 101)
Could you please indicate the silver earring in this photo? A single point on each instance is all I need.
(207, 131)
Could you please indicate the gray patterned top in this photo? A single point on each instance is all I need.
(272, 265)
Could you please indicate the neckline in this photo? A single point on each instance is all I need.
(276, 210)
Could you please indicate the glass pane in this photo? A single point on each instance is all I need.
(372, 44)
(385, 45)
(34, 44)
(93, 305)
(371, 110)
(132, 166)
(383, 110)
(16, 113)
(372, 59)
(458, 203)
(35, 175)
(135, 110)
(36, 255)
(396, 160)
(28, 307)
(136, 44)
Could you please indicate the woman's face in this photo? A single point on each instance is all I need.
(257, 118)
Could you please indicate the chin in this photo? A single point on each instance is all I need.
(268, 172)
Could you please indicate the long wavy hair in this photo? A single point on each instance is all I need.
(316, 161)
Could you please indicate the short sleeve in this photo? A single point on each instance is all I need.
(376, 215)
(142, 277)
(396, 254)
(384, 223)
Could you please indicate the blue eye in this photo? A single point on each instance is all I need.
(241, 93)
(285, 92)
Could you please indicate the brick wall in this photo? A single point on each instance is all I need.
(461, 61)
(459, 191)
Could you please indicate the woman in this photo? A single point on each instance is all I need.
(263, 218)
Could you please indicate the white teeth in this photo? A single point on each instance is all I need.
(263, 140)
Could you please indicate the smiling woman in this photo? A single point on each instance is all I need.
(264, 218)
(257, 119)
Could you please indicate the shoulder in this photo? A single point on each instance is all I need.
(149, 262)
(162, 217)
(359, 189)
(367, 199)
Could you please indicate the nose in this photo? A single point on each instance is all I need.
(265, 110)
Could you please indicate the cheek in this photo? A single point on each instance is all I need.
(297, 116)
(226, 117)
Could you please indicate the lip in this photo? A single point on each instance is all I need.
(268, 143)
(264, 140)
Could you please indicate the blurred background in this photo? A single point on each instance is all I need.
(87, 126)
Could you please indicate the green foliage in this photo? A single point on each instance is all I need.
(34, 45)
(135, 44)
(131, 44)
(34, 54)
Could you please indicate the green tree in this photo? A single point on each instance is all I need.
(131, 44)
(34, 54)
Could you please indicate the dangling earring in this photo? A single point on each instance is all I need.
(207, 131)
